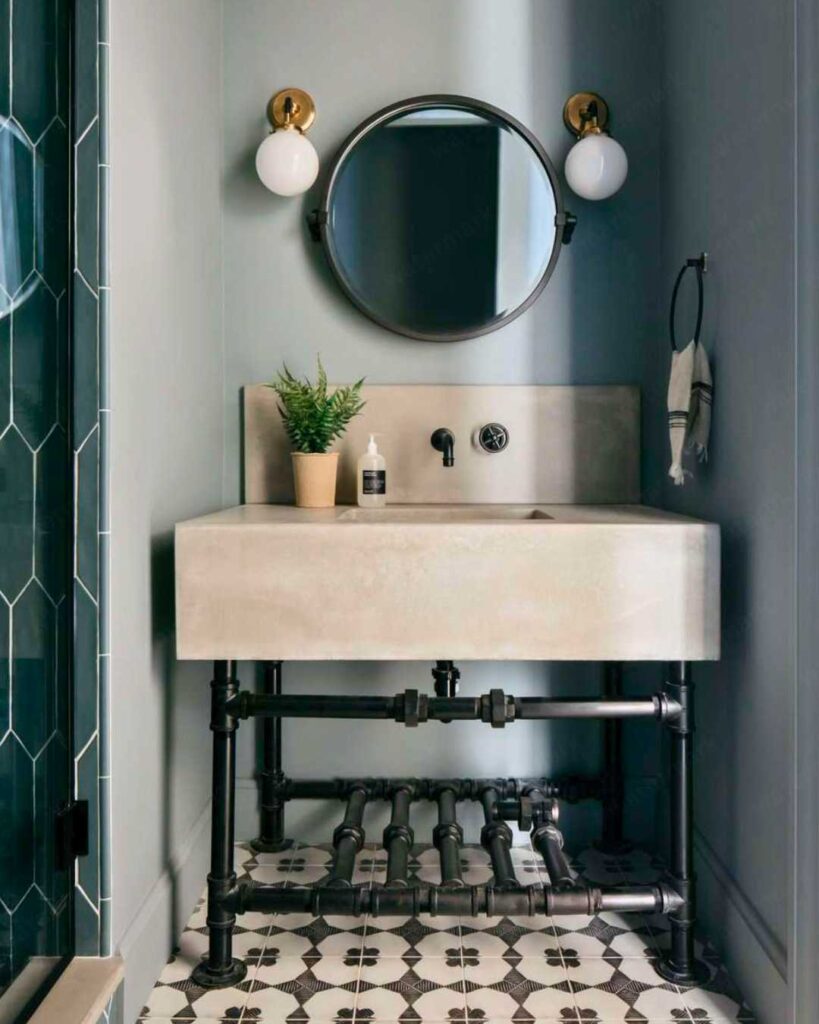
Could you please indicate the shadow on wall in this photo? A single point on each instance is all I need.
(164, 658)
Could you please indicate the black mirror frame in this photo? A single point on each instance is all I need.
(320, 225)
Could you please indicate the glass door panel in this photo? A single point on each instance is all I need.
(36, 766)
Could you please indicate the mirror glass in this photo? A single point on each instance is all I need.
(440, 219)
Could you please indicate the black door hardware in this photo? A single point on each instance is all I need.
(71, 834)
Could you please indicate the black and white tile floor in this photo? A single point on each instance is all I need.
(470, 970)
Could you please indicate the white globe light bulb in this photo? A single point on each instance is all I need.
(287, 162)
(596, 166)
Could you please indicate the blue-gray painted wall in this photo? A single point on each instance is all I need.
(728, 150)
(594, 323)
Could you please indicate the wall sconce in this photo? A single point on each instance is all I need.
(287, 162)
(596, 166)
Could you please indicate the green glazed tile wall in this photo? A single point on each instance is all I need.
(35, 776)
(52, 422)
(89, 423)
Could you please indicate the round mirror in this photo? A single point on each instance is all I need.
(441, 218)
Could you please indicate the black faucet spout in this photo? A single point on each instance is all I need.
(443, 440)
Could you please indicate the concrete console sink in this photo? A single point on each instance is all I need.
(488, 582)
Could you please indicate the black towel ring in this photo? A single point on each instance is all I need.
(700, 264)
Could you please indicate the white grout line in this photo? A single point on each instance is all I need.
(86, 130)
(91, 598)
(36, 273)
(85, 439)
(23, 438)
(80, 889)
(17, 737)
(47, 129)
(51, 429)
(16, 906)
(45, 746)
(79, 274)
(78, 757)
(26, 137)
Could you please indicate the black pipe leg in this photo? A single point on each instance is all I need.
(679, 965)
(271, 814)
(612, 841)
(220, 968)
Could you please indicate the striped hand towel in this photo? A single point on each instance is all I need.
(690, 392)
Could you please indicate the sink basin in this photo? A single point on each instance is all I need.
(425, 582)
(443, 514)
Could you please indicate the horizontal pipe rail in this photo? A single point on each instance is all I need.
(571, 788)
(469, 901)
(537, 708)
(414, 708)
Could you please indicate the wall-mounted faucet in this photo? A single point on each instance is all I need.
(443, 440)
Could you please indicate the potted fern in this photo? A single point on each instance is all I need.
(314, 419)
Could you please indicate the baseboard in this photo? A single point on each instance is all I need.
(150, 937)
(756, 959)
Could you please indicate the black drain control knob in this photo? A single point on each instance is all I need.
(493, 437)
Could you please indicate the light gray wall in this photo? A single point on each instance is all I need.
(804, 945)
(728, 188)
(593, 323)
(166, 444)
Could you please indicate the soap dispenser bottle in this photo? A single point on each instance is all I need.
(372, 477)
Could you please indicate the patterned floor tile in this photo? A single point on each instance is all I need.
(531, 988)
(720, 1001)
(428, 990)
(183, 1001)
(506, 931)
(380, 970)
(173, 1020)
(296, 989)
(412, 937)
(312, 875)
(607, 935)
(312, 937)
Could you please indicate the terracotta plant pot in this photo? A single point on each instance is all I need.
(314, 476)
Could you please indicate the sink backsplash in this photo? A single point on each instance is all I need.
(575, 445)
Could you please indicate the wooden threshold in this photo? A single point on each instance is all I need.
(81, 992)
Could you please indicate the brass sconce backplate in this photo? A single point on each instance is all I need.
(304, 109)
(577, 104)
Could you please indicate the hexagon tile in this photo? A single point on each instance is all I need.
(89, 420)
(52, 579)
